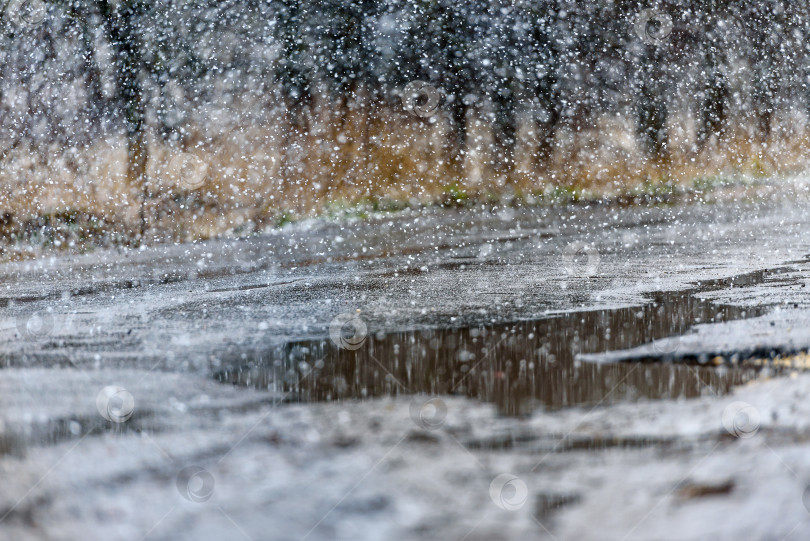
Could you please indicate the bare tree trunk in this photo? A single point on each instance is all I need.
(122, 27)
(714, 99)
(137, 156)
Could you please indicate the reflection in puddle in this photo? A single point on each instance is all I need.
(517, 366)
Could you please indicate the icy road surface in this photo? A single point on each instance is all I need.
(486, 397)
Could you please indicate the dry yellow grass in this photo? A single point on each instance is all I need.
(261, 175)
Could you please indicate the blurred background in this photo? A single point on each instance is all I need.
(174, 120)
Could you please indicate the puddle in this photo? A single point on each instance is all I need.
(518, 366)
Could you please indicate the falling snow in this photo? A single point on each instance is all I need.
(404, 269)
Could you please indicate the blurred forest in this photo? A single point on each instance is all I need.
(185, 119)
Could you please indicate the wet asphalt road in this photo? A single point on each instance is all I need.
(490, 346)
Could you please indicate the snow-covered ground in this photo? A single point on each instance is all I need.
(112, 425)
